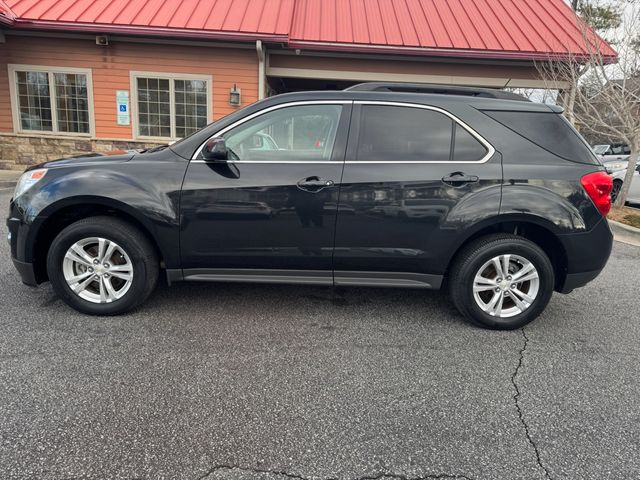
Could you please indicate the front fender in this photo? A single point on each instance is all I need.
(150, 197)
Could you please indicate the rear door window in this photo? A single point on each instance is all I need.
(467, 148)
(390, 133)
(403, 134)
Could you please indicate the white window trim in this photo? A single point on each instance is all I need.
(15, 104)
(134, 75)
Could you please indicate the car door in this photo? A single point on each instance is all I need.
(415, 178)
(269, 211)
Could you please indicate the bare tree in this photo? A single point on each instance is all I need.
(601, 96)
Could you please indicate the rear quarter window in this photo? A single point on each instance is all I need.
(550, 131)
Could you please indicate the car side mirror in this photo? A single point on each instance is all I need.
(215, 149)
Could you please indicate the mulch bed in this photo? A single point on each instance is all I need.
(626, 215)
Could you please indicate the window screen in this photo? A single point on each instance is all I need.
(154, 107)
(34, 101)
(171, 108)
(191, 106)
(52, 101)
(71, 102)
(550, 131)
(390, 133)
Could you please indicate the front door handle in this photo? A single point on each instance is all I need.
(458, 179)
(314, 184)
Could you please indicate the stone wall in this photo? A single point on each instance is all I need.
(17, 152)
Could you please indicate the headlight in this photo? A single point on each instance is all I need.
(28, 180)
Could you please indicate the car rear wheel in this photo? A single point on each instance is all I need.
(501, 281)
(102, 266)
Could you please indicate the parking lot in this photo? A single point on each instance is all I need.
(234, 381)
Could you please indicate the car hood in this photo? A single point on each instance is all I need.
(89, 159)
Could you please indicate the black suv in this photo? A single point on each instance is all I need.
(382, 185)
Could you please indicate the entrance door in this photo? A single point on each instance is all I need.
(268, 212)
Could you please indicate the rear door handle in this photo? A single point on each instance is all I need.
(314, 184)
(458, 179)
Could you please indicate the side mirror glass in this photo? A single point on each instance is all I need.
(215, 149)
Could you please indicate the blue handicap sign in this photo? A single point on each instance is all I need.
(123, 108)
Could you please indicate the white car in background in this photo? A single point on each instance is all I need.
(634, 192)
(614, 157)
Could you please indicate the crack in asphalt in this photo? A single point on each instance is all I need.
(381, 476)
(516, 399)
(215, 468)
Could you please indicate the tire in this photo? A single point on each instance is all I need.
(132, 272)
(477, 259)
(615, 191)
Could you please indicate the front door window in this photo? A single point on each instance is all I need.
(300, 133)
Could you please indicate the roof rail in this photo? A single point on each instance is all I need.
(435, 89)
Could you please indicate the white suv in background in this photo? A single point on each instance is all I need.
(615, 157)
(634, 191)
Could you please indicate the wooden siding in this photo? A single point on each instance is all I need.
(441, 71)
(111, 66)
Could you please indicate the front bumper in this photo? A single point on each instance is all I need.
(26, 271)
(18, 234)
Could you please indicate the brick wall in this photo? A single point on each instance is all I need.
(17, 152)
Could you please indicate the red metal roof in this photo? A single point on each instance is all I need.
(6, 15)
(520, 29)
(511, 28)
(239, 18)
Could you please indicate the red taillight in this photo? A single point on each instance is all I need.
(598, 186)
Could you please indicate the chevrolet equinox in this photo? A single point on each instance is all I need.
(384, 185)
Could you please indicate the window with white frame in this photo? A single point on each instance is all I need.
(51, 100)
(171, 106)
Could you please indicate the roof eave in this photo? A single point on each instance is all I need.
(447, 52)
(146, 31)
(7, 17)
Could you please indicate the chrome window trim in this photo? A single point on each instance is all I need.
(262, 112)
(490, 149)
(279, 162)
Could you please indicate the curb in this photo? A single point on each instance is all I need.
(625, 233)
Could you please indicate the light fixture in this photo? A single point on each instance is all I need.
(234, 96)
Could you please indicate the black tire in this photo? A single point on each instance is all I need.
(471, 259)
(615, 191)
(135, 244)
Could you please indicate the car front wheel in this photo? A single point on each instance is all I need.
(502, 281)
(102, 266)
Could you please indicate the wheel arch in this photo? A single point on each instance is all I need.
(536, 229)
(57, 216)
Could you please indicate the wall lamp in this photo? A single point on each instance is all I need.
(235, 97)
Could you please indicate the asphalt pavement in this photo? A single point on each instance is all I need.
(235, 382)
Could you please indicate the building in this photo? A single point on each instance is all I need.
(82, 75)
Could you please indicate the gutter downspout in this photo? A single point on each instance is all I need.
(261, 69)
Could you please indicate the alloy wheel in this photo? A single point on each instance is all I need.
(506, 286)
(97, 270)
(615, 191)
